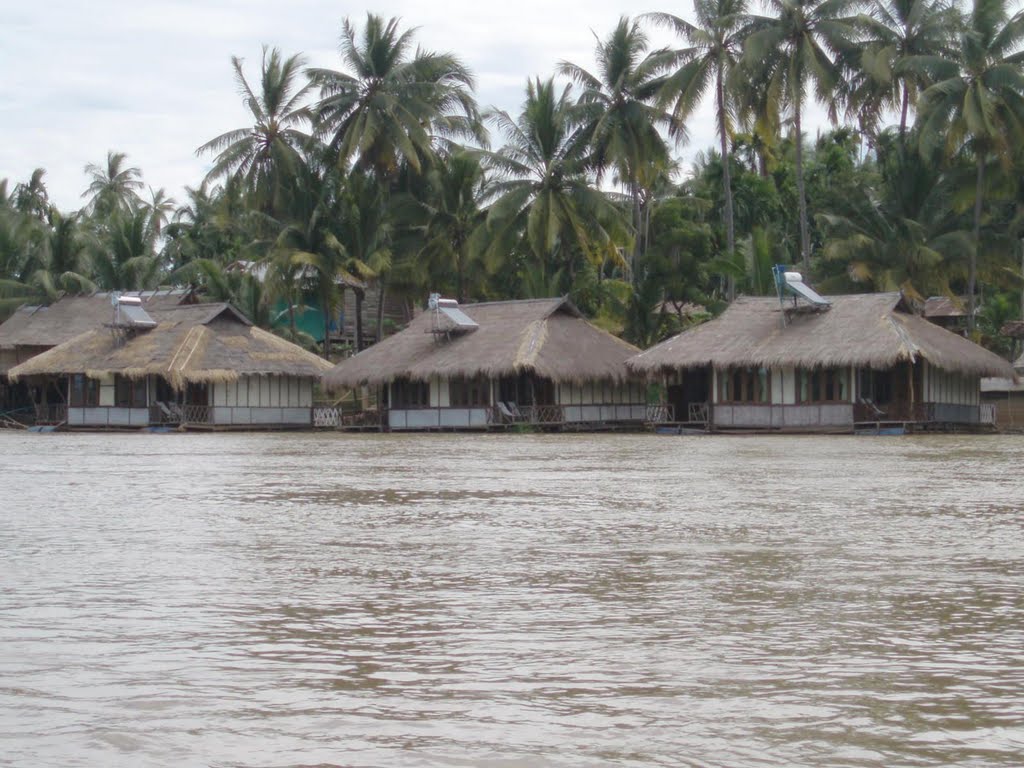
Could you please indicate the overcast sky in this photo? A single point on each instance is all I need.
(153, 78)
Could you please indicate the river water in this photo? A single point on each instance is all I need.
(511, 600)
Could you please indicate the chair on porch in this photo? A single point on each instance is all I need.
(873, 410)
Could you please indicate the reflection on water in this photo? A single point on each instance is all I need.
(510, 600)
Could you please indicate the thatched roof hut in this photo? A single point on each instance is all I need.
(1014, 329)
(202, 343)
(546, 337)
(34, 328)
(869, 330)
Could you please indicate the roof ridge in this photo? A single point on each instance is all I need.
(514, 301)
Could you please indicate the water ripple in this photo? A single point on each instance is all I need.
(286, 600)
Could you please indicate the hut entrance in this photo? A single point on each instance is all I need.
(690, 394)
(197, 394)
(526, 389)
(193, 394)
(891, 392)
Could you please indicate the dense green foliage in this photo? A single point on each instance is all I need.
(386, 173)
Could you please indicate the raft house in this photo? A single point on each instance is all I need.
(34, 328)
(195, 366)
(801, 362)
(1006, 394)
(531, 363)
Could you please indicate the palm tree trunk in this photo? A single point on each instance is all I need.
(327, 327)
(380, 308)
(637, 226)
(903, 111)
(647, 220)
(805, 235)
(972, 274)
(730, 229)
(459, 279)
(359, 318)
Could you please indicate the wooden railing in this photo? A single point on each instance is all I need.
(366, 418)
(196, 414)
(51, 414)
(332, 417)
(326, 417)
(542, 414)
(698, 412)
(987, 414)
(174, 413)
(659, 414)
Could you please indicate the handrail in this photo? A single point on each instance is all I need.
(51, 413)
(659, 413)
(698, 412)
(542, 414)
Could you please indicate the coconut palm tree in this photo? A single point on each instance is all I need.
(113, 188)
(393, 102)
(800, 47)
(160, 206)
(976, 104)
(269, 153)
(619, 116)
(448, 220)
(363, 223)
(31, 197)
(308, 242)
(711, 61)
(902, 235)
(240, 288)
(892, 32)
(123, 258)
(61, 266)
(541, 189)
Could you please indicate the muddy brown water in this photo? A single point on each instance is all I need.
(514, 600)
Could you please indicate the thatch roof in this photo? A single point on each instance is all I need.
(1013, 329)
(42, 326)
(1003, 384)
(48, 326)
(547, 337)
(875, 330)
(944, 306)
(202, 343)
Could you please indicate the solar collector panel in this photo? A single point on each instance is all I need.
(134, 316)
(458, 317)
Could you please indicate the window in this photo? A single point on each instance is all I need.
(745, 385)
(469, 392)
(85, 392)
(129, 393)
(822, 385)
(410, 394)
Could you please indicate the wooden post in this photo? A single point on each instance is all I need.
(910, 387)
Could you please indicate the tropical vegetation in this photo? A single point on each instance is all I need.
(384, 175)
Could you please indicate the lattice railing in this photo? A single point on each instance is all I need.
(326, 418)
(698, 413)
(542, 414)
(987, 414)
(659, 414)
(196, 414)
(369, 418)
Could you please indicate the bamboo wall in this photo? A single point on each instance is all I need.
(264, 392)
